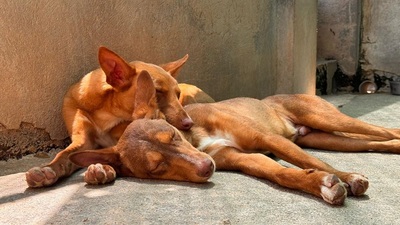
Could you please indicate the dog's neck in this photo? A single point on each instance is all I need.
(190, 136)
(195, 135)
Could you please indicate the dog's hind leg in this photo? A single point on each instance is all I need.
(82, 139)
(319, 183)
(316, 113)
(328, 141)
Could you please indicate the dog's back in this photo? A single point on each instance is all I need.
(230, 115)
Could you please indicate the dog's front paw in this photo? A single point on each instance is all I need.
(99, 174)
(40, 177)
(333, 190)
(357, 184)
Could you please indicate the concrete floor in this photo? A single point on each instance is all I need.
(228, 198)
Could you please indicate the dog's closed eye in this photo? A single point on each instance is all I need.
(155, 163)
(176, 136)
(164, 137)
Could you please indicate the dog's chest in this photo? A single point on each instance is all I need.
(103, 123)
(216, 141)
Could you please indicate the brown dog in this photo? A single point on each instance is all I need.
(237, 133)
(147, 149)
(98, 108)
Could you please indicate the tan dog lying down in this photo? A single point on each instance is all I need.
(98, 108)
(236, 133)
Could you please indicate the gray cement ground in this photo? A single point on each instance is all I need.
(228, 198)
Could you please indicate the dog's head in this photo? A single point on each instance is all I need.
(122, 77)
(152, 149)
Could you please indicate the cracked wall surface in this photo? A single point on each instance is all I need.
(236, 48)
(27, 139)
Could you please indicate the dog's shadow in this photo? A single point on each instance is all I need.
(157, 182)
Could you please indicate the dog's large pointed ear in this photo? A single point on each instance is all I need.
(119, 73)
(145, 100)
(107, 156)
(174, 67)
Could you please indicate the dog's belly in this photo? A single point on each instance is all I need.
(240, 123)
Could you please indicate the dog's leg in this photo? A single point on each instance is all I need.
(319, 183)
(61, 166)
(328, 141)
(290, 152)
(103, 165)
(319, 114)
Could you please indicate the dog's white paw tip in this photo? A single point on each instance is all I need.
(99, 174)
(333, 190)
(358, 184)
(40, 177)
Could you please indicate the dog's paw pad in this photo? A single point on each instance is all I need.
(358, 184)
(40, 176)
(99, 174)
(333, 190)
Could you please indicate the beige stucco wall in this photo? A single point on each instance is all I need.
(237, 48)
(381, 38)
(295, 43)
(339, 33)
